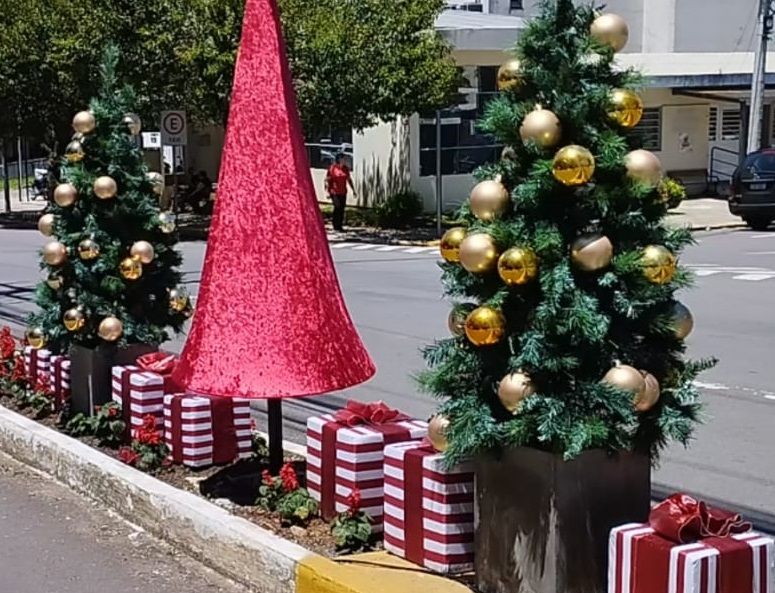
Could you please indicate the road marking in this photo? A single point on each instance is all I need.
(342, 245)
(420, 249)
(707, 272)
(766, 236)
(710, 386)
(760, 252)
(363, 247)
(770, 397)
(389, 248)
(753, 277)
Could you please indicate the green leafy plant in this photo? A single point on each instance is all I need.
(283, 494)
(297, 507)
(672, 192)
(399, 210)
(107, 425)
(147, 452)
(259, 444)
(352, 529)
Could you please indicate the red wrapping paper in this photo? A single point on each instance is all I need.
(37, 363)
(60, 380)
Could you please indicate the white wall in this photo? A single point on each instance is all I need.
(715, 25)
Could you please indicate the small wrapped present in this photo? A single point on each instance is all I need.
(429, 508)
(688, 547)
(37, 364)
(60, 380)
(203, 430)
(139, 393)
(345, 451)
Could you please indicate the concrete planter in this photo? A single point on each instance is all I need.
(542, 523)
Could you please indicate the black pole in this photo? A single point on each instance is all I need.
(6, 178)
(275, 413)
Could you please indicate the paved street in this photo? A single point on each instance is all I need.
(394, 296)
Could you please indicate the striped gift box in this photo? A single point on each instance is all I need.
(429, 509)
(341, 458)
(197, 428)
(60, 380)
(37, 364)
(139, 393)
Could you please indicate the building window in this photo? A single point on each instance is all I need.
(730, 124)
(649, 130)
(323, 146)
(713, 124)
(515, 5)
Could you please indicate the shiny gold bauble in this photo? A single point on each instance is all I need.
(157, 181)
(643, 167)
(46, 224)
(167, 222)
(54, 253)
(88, 250)
(105, 187)
(592, 252)
(450, 244)
(74, 152)
(133, 123)
(437, 432)
(573, 165)
(489, 199)
(659, 264)
(542, 127)
(626, 378)
(518, 266)
(65, 195)
(55, 281)
(485, 326)
(513, 389)
(131, 268)
(179, 299)
(74, 320)
(610, 30)
(647, 399)
(36, 337)
(84, 122)
(110, 329)
(683, 321)
(626, 108)
(456, 322)
(510, 75)
(143, 251)
(478, 253)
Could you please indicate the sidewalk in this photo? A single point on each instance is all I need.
(704, 214)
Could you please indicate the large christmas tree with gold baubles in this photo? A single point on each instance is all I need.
(567, 333)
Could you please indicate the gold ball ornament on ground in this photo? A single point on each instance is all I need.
(110, 329)
(647, 398)
(659, 264)
(142, 251)
(179, 299)
(46, 224)
(131, 269)
(542, 127)
(510, 75)
(489, 199)
(133, 123)
(514, 388)
(74, 152)
(450, 244)
(592, 252)
(611, 30)
(478, 253)
(573, 165)
(88, 250)
(157, 181)
(36, 337)
(84, 122)
(65, 195)
(485, 326)
(167, 222)
(55, 281)
(437, 432)
(626, 378)
(518, 266)
(54, 253)
(105, 187)
(643, 167)
(683, 321)
(74, 320)
(626, 108)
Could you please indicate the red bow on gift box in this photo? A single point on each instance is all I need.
(683, 519)
(161, 363)
(356, 413)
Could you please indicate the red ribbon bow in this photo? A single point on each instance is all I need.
(683, 519)
(356, 413)
(160, 363)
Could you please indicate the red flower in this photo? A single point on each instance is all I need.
(354, 502)
(128, 456)
(267, 478)
(253, 425)
(148, 434)
(7, 344)
(18, 373)
(43, 386)
(149, 423)
(288, 478)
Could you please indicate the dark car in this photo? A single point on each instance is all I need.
(752, 189)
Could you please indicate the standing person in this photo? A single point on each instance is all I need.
(337, 180)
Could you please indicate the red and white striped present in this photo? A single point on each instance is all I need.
(139, 393)
(345, 451)
(641, 561)
(37, 364)
(60, 380)
(203, 430)
(429, 508)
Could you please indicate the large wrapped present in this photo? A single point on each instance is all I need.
(37, 364)
(688, 547)
(60, 380)
(345, 451)
(203, 430)
(429, 508)
(139, 393)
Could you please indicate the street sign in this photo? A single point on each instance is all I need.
(152, 140)
(174, 131)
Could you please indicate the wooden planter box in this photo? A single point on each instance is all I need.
(542, 523)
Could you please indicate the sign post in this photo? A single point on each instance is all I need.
(174, 133)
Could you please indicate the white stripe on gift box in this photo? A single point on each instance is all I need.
(628, 531)
(444, 550)
(367, 494)
(447, 528)
(313, 461)
(146, 379)
(447, 549)
(355, 477)
(145, 407)
(316, 423)
(312, 477)
(359, 458)
(448, 568)
(313, 443)
(393, 492)
(674, 577)
(393, 511)
(434, 485)
(375, 512)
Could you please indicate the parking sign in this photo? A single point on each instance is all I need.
(174, 130)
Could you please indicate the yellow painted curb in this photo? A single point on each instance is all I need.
(376, 572)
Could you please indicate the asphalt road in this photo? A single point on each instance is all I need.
(394, 297)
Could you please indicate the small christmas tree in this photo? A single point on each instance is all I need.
(567, 332)
(110, 266)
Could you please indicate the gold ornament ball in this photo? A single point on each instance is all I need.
(110, 329)
(510, 76)
(513, 389)
(450, 244)
(659, 264)
(683, 321)
(437, 432)
(54, 253)
(157, 181)
(88, 250)
(74, 152)
(55, 281)
(542, 127)
(485, 326)
(478, 253)
(105, 187)
(179, 300)
(143, 251)
(592, 252)
(647, 398)
(131, 269)
(36, 337)
(518, 266)
(573, 165)
(133, 123)
(456, 322)
(626, 108)
(611, 30)
(74, 320)
(643, 167)
(489, 199)
(65, 195)
(167, 222)
(46, 224)
(626, 378)
(84, 122)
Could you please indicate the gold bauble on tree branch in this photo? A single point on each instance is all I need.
(450, 244)
(54, 253)
(179, 299)
(514, 388)
(36, 337)
(133, 123)
(626, 378)
(510, 76)
(55, 281)
(626, 108)
(111, 329)
(130, 268)
(485, 326)
(105, 187)
(167, 222)
(659, 264)
(65, 195)
(46, 224)
(518, 266)
(592, 252)
(647, 398)
(437, 432)
(573, 165)
(74, 320)
(643, 167)
(142, 251)
(84, 122)
(478, 253)
(611, 30)
(542, 127)
(74, 152)
(683, 321)
(88, 250)
(489, 199)
(456, 322)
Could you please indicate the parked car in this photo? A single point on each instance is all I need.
(752, 189)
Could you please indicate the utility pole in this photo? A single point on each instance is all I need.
(764, 28)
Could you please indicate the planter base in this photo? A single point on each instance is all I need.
(542, 523)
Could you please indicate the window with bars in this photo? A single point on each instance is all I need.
(730, 124)
(650, 129)
(713, 124)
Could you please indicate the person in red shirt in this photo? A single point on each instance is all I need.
(337, 180)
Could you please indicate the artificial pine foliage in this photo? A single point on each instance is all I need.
(568, 327)
(97, 286)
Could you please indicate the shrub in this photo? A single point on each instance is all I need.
(399, 210)
(672, 192)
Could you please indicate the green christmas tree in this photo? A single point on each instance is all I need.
(567, 332)
(111, 264)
